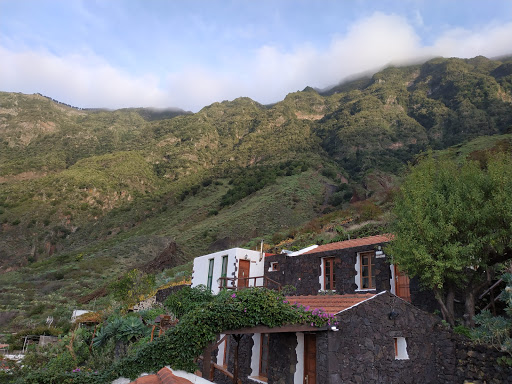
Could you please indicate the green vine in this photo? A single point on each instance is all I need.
(204, 317)
(226, 311)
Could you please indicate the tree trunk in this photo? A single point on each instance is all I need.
(235, 367)
(470, 308)
(446, 304)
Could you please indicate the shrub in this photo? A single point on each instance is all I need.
(187, 299)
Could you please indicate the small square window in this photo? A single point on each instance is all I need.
(400, 348)
(274, 266)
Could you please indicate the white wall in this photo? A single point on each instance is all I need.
(392, 280)
(220, 353)
(255, 354)
(201, 265)
(298, 377)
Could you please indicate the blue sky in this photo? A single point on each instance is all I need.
(191, 53)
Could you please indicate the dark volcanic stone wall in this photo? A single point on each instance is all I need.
(162, 294)
(458, 360)
(244, 361)
(283, 358)
(363, 351)
(303, 271)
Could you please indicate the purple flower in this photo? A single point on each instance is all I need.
(245, 309)
(233, 295)
(285, 301)
(312, 325)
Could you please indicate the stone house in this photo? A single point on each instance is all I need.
(383, 335)
(351, 266)
(380, 338)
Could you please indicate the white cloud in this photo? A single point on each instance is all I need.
(265, 75)
(82, 80)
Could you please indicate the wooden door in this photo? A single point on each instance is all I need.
(402, 285)
(243, 273)
(309, 358)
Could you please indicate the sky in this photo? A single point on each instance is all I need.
(191, 53)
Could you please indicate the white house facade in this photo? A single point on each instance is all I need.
(231, 269)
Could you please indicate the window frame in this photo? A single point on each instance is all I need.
(329, 261)
(401, 348)
(224, 271)
(209, 281)
(372, 284)
(264, 344)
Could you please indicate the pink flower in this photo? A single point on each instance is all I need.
(285, 301)
(233, 295)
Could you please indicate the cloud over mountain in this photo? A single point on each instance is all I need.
(266, 74)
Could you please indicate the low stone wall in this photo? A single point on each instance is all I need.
(460, 361)
(149, 303)
(162, 294)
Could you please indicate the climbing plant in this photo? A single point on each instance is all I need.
(228, 310)
(199, 325)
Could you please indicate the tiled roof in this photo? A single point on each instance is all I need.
(351, 243)
(164, 376)
(332, 304)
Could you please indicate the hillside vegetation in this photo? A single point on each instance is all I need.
(86, 195)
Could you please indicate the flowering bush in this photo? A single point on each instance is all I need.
(203, 317)
(201, 325)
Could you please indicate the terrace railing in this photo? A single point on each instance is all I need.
(248, 282)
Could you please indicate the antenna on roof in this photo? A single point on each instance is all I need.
(261, 250)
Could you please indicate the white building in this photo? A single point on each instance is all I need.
(232, 269)
(77, 313)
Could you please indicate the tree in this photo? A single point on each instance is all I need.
(453, 226)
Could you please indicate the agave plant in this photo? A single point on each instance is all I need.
(132, 328)
(121, 329)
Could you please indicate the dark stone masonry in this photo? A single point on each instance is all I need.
(363, 351)
(303, 272)
(162, 294)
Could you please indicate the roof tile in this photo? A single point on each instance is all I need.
(164, 376)
(332, 304)
(351, 243)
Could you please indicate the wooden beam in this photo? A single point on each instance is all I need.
(207, 360)
(285, 328)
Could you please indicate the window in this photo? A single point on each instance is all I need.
(329, 276)
(260, 357)
(224, 272)
(210, 274)
(226, 352)
(274, 266)
(264, 355)
(367, 260)
(400, 348)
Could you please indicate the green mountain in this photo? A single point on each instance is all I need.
(86, 195)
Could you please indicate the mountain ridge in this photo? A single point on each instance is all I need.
(86, 195)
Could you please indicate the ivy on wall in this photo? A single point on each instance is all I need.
(203, 317)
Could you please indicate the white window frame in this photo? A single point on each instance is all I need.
(256, 358)
(358, 274)
(400, 348)
(321, 278)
